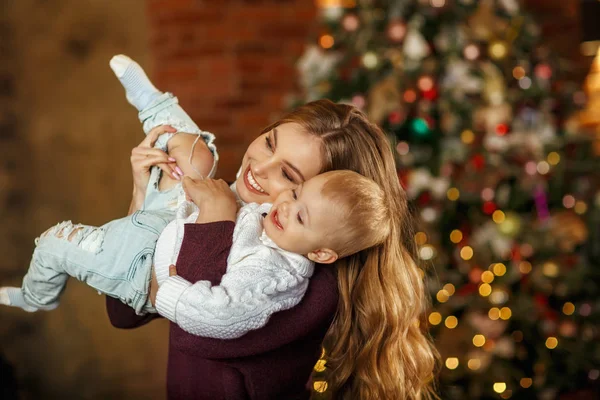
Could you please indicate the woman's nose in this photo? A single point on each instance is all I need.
(261, 168)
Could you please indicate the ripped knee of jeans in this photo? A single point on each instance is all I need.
(88, 238)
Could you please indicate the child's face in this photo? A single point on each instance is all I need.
(302, 221)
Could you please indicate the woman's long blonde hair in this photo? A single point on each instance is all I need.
(377, 346)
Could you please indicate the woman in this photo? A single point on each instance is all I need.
(365, 312)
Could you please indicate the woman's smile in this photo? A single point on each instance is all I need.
(251, 183)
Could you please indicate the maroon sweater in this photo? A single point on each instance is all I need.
(273, 362)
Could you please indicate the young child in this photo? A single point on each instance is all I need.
(330, 216)
(268, 269)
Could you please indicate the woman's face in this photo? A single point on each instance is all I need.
(278, 160)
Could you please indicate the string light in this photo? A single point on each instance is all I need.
(518, 72)
(525, 267)
(530, 168)
(487, 277)
(498, 216)
(526, 382)
(569, 201)
(505, 313)
(449, 288)
(498, 297)
(410, 96)
(488, 194)
(553, 158)
(326, 41)
(568, 308)
(499, 269)
(402, 148)
(438, 3)
(466, 253)
(453, 194)
(525, 83)
(425, 83)
(478, 340)
(421, 238)
(471, 52)
(543, 167)
(435, 318)
(485, 289)
(499, 387)
(551, 342)
(474, 364)
(451, 322)
(369, 60)
(494, 313)
(451, 362)
(467, 136)
(498, 50)
(456, 236)
(580, 207)
(442, 296)
(550, 269)
(426, 252)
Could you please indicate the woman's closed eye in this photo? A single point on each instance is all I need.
(271, 148)
(268, 143)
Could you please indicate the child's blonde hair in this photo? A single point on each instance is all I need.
(362, 203)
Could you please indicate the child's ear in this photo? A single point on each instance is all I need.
(323, 256)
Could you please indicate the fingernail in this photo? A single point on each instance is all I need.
(176, 176)
(179, 171)
(172, 159)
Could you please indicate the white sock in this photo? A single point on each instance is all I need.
(13, 296)
(138, 89)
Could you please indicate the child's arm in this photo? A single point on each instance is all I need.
(249, 293)
(202, 160)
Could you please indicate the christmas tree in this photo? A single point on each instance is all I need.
(491, 149)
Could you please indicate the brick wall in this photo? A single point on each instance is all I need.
(230, 62)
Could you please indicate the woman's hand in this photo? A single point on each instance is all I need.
(214, 199)
(145, 156)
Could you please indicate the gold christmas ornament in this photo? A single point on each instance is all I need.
(568, 230)
(484, 24)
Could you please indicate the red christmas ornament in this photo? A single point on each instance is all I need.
(489, 207)
(430, 94)
(395, 117)
(543, 71)
(502, 129)
(478, 161)
(424, 198)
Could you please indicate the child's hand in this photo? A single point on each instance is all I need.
(214, 199)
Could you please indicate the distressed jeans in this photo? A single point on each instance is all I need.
(115, 259)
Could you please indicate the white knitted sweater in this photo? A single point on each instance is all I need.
(261, 279)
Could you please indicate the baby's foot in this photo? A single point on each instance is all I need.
(138, 89)
(12, 296)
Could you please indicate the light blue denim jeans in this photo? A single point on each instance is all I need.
(116, 258)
